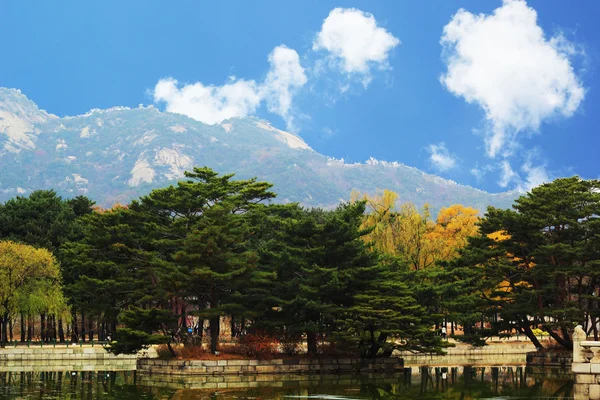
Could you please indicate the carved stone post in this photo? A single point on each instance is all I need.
(579, 336)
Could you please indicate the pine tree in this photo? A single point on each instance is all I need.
(537, 265)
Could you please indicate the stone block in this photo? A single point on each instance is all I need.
(585, 378)
(581, 368)
(237, 362)
(594, 392)
(595, 368)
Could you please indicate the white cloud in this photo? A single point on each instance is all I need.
(285, 77)
(507, 175)
(533, 175)
(479, 172)
(355, 41)
(209, 104)
(504, 63)
(440, 157)
(238, 97)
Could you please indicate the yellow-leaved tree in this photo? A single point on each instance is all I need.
(29, 283)
(409, 233)
(453, 226)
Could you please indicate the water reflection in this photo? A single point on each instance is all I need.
(417, 383)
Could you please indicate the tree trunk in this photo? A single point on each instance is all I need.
(529, 333)
(61, 332)
(215, 322)
(54, 328)
(82, 326)
(22, 328)
(10, 328)
(74, 328)
(43, 327)
(171, 350)
(102, 330)
(29, 328)
(311, 342)
(4, 338)
(215, 330)
(91, 329)
(200, 326)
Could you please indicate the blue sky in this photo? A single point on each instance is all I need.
(500, 95)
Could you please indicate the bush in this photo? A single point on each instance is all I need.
(257, 344)
(290, 343)
(163, 352)
(539, 332)
(191, 351)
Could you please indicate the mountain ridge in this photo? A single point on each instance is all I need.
(116, 154)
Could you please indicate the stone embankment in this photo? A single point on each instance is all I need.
(279, 366)
(63, 358)
(495, 353)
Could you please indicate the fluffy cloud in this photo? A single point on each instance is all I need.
(440, 157)
(504, 63)
(355, 41)
(209, 104)
(285, 77)
(237, 98)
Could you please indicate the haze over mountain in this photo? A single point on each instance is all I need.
(118, 154)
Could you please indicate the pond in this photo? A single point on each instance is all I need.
(513, 382)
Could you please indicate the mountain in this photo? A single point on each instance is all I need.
(118, 154)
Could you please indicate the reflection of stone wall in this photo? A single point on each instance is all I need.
(252, 367)
(62, 358)
(263, 380)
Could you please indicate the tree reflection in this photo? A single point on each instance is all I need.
(462, 383)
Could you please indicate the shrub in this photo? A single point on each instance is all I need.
(257, 344)
(163, 352)
(539, 332)
(191, 351)
(290, 343)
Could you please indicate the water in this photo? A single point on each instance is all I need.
(418, 383)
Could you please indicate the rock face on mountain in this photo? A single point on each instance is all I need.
(118, 154)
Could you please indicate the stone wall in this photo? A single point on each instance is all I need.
(560, 359)
(63, 358)
(279, 366)
(495, 353)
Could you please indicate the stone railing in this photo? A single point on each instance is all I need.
(585, 351)
(586, 366)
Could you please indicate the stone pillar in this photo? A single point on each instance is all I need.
(579, 335)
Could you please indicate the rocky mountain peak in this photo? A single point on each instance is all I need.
(120, 153)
